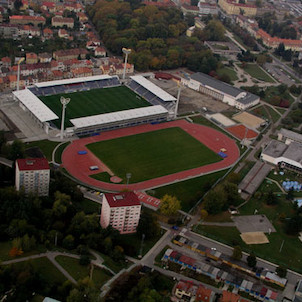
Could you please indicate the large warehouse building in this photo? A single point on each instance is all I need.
(224, 92)
(162, 104)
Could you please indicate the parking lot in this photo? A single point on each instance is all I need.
(279, 74)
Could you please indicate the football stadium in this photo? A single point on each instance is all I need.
(98, 103)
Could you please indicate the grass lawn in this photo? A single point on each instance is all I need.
(275, 116)
(45, 268)
(59, 151)
(113, 265)
(104, 176)
(261, 112)
(45, 146)
(78, 271)
(6, 246)
(153, 154)
(93, 102)
(132, 240)
(258, 73)
(189, 191)
(228, 71)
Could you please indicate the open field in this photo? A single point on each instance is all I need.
(77, 271)
(153, 154)
(188, 192)
(258, 73)
(93, 102)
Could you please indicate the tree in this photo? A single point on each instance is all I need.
(281, 271)
(251, 260)
(148, 225)
(215, 200)
(84, 260)
(14, 252)
(203, 214)
(293, 225)
(68, 242)
(169, 205)
(237, 252)
(271, 198)
(18, 4)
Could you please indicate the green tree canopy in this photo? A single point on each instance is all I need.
(169, 205)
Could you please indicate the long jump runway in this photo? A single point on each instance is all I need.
(78, 165)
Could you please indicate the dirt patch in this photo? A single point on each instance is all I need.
(254, 238)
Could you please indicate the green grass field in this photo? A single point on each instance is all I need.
(153, 154)
(93, 102)
(258, 73)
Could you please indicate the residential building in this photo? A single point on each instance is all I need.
(60, 22)
(274, 42)
(31, 58)
(100, 52)
(82, 17)
(9, 30)
(33, 176)
(67, 54)
(222, 91)
(6, 62)
(19, 20)
(49, 6)
(189, 9)
(28, 30)
(207, 8)
(63, 34)
(232, 7)
(121, 211)
(47, 33)
(81, 72)
(45, 57)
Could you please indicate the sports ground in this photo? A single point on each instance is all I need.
(199, 157)
(93, 102)
(153, 154)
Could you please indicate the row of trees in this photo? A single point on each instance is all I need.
(155, 35)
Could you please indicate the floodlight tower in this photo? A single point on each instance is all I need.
(126, 51)
(64, 102)
(177, 100)
(18, 75)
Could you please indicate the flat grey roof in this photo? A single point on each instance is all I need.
(225, 88)
(294, 152)
(275, 149)
(291, 134)
(254, 177)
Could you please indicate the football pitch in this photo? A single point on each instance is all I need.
(93, 102)
(153, 154)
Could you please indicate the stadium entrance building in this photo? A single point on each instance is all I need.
(161, 110)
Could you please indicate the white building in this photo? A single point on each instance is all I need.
(288, 136)
(283, 155)
(33, 175)
(121, 211)
(221, 91)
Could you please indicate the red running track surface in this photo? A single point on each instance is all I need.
(78, 165)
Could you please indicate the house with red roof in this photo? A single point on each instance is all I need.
(33, 175)
(6, 62)
(100, 52)
(121, 211)
(24, 19)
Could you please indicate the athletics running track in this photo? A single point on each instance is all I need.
(78, 165)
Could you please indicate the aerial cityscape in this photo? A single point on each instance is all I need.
(150, 150)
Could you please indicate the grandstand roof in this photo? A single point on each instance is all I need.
(124, 115)
(73, 81)
(35, 106)
(163, 95)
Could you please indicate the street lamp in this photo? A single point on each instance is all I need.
(177, 100)
(18, 76)
(126, 51)
(64, 102)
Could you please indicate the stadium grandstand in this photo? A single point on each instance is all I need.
(152, 93)
(31, 101)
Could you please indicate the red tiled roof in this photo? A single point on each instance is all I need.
(203, 294)
(29, 18)
(122, 199)
(28, 164)
(229, 297)
(6, 59)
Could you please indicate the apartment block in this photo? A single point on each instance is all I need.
(33, 175)
(121, 211)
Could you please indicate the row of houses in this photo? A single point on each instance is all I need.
(254, 289)
(251, 26)
(225, 260)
